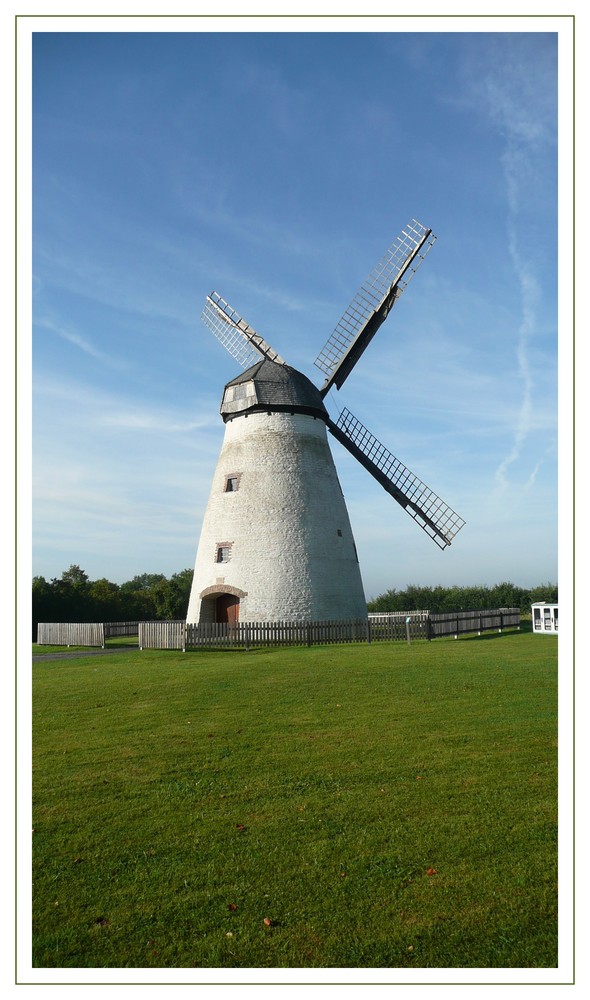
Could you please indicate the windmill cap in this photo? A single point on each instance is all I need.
(273, 387)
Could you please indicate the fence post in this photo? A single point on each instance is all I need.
(368, 630)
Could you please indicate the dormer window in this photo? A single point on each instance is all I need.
(240, 391)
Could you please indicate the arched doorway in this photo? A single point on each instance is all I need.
(227, 609)
(221, 604)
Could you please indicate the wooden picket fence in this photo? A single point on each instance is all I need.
(392, 627)
(398, 625)
(114, 630)
(458, 623)
(162, 635)
(282, 633)
(181, 635)
(82, 633)
(71, 634)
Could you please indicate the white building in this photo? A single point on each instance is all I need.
(276, 542)
(545, 618)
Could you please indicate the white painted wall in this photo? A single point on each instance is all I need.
(292, 549)
(545, 618)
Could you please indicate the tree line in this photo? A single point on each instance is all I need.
(441, 599)
(73, 597)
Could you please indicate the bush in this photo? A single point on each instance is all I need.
(440, 599)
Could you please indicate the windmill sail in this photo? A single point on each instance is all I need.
(236, 335)
(433, 515)
(372, 303)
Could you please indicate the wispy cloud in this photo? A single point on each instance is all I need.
(273, 183)
(533, 477)
(110, 281)
(82, 343)
(111, 472)
(96, 409)
(517, 96)
(529, 294)
(163, 422)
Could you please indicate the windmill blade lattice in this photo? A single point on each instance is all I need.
(433, 515)
(236, 335)
(372, 303)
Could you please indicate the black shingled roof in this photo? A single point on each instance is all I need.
(280, 387)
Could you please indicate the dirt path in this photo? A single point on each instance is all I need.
(82, 652)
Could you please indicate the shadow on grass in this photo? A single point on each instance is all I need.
(524, 629)
(234, 649)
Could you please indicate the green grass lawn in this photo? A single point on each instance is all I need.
(382, 806)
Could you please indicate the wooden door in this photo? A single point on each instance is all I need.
(227, 609)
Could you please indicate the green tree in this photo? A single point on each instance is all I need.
(171, 596)
(137, 596)
(544, 592)
(384, 603)
(42, 603)
(506, 595)
(441, 599)
(143, 582)
(418, 598)
(75, 576)
(105, 601)
(70, 596)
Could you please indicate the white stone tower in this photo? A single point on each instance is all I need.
(276, 542)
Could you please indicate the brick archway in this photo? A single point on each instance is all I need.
(221, 604)
(221, 588)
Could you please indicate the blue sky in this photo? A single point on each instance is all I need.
(276, 168)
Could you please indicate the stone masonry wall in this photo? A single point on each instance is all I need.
(284, 530)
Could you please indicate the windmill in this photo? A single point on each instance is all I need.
(276, 542)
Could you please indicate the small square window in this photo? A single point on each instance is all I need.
(223, 552)
(232, 483)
